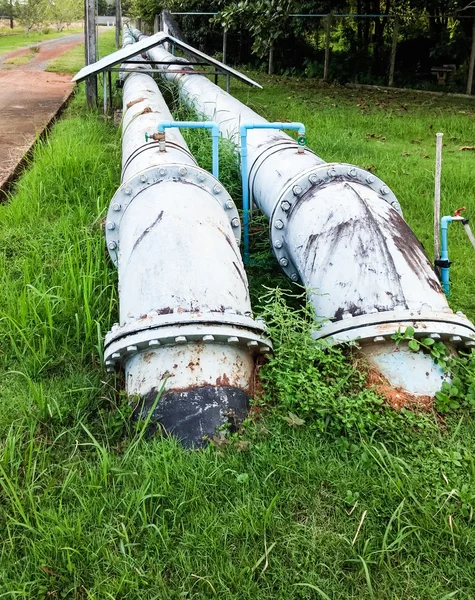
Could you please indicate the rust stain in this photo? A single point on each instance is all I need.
(223, 380)
(136, 101)
(236, 266)
(148, 357)
(412, 250)
(146, 110)
(192, 365)
(147, 231)
(164, 311)
(396, 397)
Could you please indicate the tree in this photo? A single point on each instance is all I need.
(64, 12)
(30, 13)
(266, 20)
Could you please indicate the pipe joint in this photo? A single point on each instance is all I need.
(296, 190)
(124, 342)
(131, 188)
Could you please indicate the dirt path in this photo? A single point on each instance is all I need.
(29, 100)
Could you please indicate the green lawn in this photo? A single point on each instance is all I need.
(357, 502)
(19, 39)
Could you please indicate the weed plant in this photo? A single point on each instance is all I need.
(324, 494)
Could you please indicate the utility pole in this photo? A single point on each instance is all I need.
(118, 23)
(11, 14)
(90, 44)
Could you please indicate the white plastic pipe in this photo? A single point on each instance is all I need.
(186, 325)
(438, 177)
(339, 231)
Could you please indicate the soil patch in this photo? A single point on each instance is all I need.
(29, 100)
(396, 397)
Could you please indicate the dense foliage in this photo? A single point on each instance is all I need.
(431, 33)
(41, 14)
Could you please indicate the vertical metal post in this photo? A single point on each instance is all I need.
(109, 78)
(164, 27)
(438, 172)
(228, 82)
(104, 87)
(225, 44)
(91, 50)
(118, 23)
(156, 23)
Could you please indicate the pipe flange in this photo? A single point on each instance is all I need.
(122, 349)
(156, 319)
(156, 175)
(318, 176)
(378, 327)
(276, 146)
(151, 146)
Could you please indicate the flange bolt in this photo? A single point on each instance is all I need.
(285, 205)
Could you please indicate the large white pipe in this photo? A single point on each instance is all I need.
(186, 326)
(339, 230)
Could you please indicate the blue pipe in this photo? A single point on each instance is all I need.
(300, 127)
(198, 125)
(444, 254)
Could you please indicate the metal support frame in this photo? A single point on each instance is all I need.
(300, 128)
(211, 125)
(118, 70)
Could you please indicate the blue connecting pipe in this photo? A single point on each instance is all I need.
(198, 125)
(300, 127)
(444, 254)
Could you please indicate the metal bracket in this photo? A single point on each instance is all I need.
(154, 176)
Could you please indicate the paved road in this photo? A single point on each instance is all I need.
(29, 100)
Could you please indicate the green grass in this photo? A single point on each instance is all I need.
(19, 39)
(73, 60)
(20, 60)
(348, 501)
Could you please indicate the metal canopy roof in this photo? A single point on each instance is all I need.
(145, 44)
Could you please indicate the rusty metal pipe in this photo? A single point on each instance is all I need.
(339, 230)
(186, 327)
